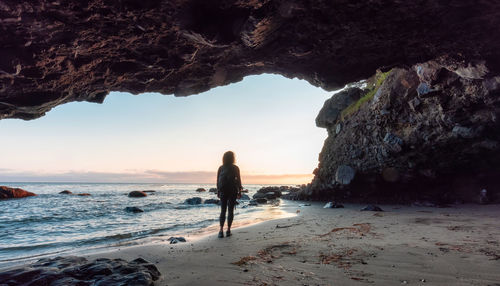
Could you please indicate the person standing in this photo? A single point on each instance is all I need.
(228, 190)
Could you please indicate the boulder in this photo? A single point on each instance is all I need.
(193, 201)
(276, 190)
(200, 190)
(344, 174)
(137, 194)
(73, 270)
(259, 196)
(133, 210)
(14, 193)
(333, 107)
(66, 192)
(372, 208)
(333, 205)
(260, 200)
(253, 203)
(174, 240)
(213, 190)
(244, 197)
(212, 201)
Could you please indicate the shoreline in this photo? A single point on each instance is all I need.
(459, 245)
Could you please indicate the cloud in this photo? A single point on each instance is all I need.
(147, 176)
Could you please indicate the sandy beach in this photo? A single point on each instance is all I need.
(459, 245)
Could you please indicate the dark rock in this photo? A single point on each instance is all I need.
(330, 113)
(259, 195)
(174, 240)
(14, 193)
(77, 271)
(244, 197)
(84, 194)
(276, 190)
(133, 210)
(213, 190)
(137, 194)
(244, 191)
(200, 190)
(66, 192)
(212, 201)
(149, 191)
(333, 205)
(259, 201)
(372, 208)
(193, 201)
(253, 203)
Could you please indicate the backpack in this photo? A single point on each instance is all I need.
(227, 181)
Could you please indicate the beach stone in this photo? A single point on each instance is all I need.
(212, 190)
(372, 208)
(78, 271)
(333, 205)
(133, 210)
(276, 190)
(244, 197)
(137, 194)
(66, 192)
(174, 240)
(193, 201)
(14, 193)
(212, 201)
(200, 190)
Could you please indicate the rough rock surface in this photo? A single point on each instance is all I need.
(137, 194)
(193, 201)
(73, 270)
(14, 193)
(53, 52)
(429, 131)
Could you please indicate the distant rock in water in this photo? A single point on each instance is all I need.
(133, 210)
(149, 191)
(14, 193)
(137, 194)
(66, 192)
(200, 190)
(193, 201)
(372, 208)
(213, 190)
(174, 240)
(212, 201)
(73, 270)
(83, 194)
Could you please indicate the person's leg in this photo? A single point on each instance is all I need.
(230, 214)
(222, 218)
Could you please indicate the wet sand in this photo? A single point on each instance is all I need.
(403, 245)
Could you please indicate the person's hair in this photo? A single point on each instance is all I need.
(228, 158)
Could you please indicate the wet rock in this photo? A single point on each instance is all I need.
(14, 193)
(372, 208)
(137, 194)
(212, 201)
(200, 190)
(149, 191)
(276, 190)
(193, 201)
(213, 190)
(133, 210)
(244, 191)
(333, 205)
(244, 197)
(66, 192)
(83, 194)
(174, 240)
(78, 271)
(258, 201)
(345, 174)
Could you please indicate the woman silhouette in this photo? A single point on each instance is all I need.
(228, 190)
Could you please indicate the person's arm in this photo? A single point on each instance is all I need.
(239, 181)
(218, 187)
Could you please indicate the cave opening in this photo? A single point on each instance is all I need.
(267, 120)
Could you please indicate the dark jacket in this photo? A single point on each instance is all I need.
(231, 187)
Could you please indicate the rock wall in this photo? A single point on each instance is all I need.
(53, 52)
(429, 132)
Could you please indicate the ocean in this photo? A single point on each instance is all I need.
(58, 224)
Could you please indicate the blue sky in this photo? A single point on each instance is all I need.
(267, 120)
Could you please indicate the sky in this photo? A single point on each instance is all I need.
(267, 120)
